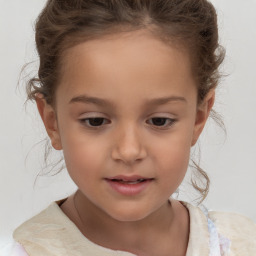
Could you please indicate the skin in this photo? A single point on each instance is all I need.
(128, 70)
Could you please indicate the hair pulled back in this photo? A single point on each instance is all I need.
(191, 24)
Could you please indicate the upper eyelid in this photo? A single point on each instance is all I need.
(101, 115)
(173, 120)
(89, 114)
(92, 117)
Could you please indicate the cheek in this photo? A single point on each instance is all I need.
(175, 160)
(172, 166)
(82, 155)
(172, 156)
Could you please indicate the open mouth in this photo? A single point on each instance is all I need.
(129, 182)
(129, 186)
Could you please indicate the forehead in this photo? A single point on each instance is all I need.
(134, 62)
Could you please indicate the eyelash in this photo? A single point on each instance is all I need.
(85, 123)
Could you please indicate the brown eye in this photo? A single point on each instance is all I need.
(93, 122)
(162, 121)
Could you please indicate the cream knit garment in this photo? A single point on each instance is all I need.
(52, 233)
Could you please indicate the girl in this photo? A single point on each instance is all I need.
(124, 89)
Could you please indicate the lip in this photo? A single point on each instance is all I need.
(128, 178)
(128, 189)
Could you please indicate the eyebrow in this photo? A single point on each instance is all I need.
(103, 102)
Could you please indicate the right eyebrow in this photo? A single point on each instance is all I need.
(91, 100)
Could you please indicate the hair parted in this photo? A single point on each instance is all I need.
(189, 24)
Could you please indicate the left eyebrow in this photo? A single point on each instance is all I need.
(165, 100)
(103, 102)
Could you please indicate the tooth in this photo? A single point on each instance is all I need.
(131, 182)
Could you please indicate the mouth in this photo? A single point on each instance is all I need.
(130, 181)
(135, 179)
(129, 186)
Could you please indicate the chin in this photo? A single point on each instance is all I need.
(126, 214)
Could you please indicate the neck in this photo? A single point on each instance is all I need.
(139, 235)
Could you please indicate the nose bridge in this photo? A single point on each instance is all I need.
(129, 145)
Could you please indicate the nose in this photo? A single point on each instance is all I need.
(129, 146)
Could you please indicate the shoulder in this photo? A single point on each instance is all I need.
(240, 230)
(13, 248)
(37, 233)
(37, 223)
(234, 224)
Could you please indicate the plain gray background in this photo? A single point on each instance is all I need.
(229, 161)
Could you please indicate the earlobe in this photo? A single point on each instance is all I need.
(49, 119)
(202, 115)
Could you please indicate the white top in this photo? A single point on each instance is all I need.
(52, 233)
(12, 248)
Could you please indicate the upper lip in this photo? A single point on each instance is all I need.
(128, 178)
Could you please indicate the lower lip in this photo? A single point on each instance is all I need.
(129, 189)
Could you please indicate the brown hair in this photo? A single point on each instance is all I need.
(188, 23)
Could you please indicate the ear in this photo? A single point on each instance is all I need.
(49, 119)
(203, 111)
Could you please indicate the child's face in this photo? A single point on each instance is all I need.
(135, 137)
